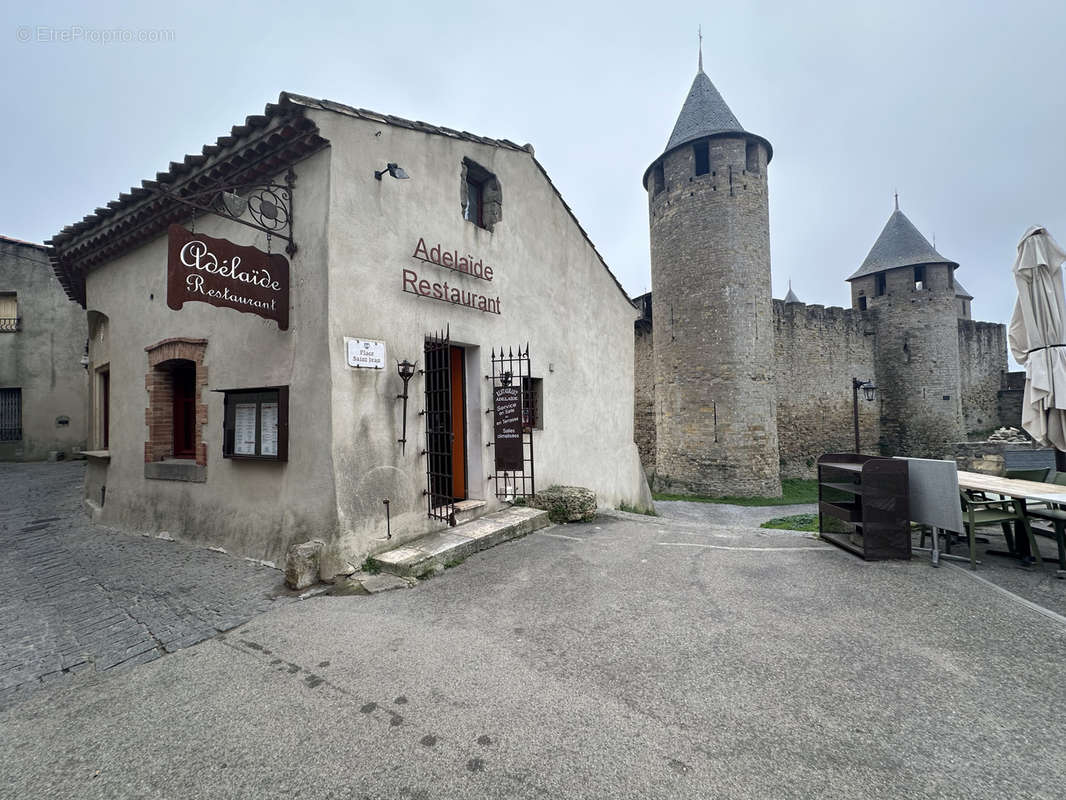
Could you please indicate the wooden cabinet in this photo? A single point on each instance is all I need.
(863, 505)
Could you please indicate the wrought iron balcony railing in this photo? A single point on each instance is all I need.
(9, 324)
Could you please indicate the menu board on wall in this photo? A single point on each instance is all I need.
(244, 425)
(268, 426)
(507, 402)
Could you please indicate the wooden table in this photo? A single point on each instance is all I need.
(1018, 490)
(1009, 487)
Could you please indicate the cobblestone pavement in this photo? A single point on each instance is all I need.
(77, 599)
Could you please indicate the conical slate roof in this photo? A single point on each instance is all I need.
(703, 114)
(960, 292)
(899, 245)
(791, 296)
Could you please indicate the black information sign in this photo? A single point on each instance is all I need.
(507, 401)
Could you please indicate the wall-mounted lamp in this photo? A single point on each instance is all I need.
(406, 371)
(868, 390)
(394, 169)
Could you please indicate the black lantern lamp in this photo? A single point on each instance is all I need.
(406, 371)
(868, 390)
(393, 169)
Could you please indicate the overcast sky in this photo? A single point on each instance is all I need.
(957, 105)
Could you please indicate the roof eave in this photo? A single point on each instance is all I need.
(716, 135)
(862, 272)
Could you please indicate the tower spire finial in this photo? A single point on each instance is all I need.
(699, 32)
(896, 195)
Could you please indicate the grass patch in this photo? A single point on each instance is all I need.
(797, 522)
(455, 562)
(369, 566)
(651, 512)
(794, 491)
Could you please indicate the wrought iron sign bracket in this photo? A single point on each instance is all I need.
(269, 205)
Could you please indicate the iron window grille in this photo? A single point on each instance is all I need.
(10, 415)
(512, 482)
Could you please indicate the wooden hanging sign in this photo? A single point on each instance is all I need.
(216, 271)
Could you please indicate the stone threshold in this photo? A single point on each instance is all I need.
(434, 551)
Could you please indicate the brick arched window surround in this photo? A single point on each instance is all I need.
(169, 361)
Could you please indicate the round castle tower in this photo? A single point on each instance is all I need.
(712, 330)
(909, 291)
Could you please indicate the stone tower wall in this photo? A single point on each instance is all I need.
(715, 399)
(982, 362)
(917, 361)
(817, 352)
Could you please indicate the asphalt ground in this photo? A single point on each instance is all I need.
(630, 657)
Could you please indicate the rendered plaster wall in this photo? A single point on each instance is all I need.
(982, 362)
(817, 353)
(254, 509)
(42, 357)
(715, 397)
(554, 294)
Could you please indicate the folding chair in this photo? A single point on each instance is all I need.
(978, 511)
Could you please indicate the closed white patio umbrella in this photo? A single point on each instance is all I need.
(1037, 336)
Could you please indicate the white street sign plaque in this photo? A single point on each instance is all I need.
(364, 353)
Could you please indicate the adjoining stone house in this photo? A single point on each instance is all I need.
(733, 389)
(251, 309)
(43, 386)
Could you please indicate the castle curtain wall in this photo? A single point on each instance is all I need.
(817, 352)
(982, 362)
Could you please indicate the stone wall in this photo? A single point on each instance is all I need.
(644, 392)
(817, 352)
(982, 362)
(1009, 399)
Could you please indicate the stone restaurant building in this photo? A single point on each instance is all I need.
(339, 325)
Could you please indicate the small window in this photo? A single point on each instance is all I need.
(751, 157)
(880, 280)
(102, 412)
(951, 278)
(475, 192)
(9, 312)
(919, 277)
(480, 195)
(183, 385)
(701, 151)
(658, 179)
(862, 304)
(532, 402)
(10, 415)
(256, 424)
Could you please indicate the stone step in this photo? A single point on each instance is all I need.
(436, 550)
(469, 510)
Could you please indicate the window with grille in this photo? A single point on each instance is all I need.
(532, 389)
(10, 415)
(9, 312)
